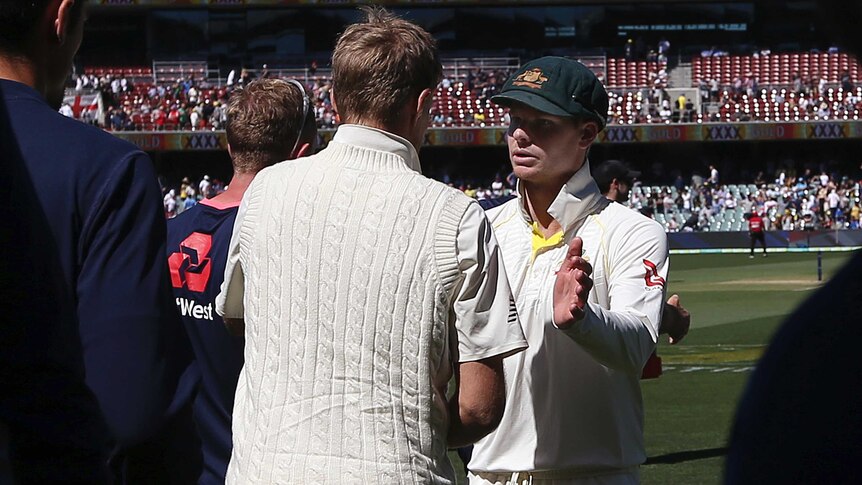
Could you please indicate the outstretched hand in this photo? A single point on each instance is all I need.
(675, 320)
(572, 286)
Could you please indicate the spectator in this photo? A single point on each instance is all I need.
(667, 204)
(834, 200)
(439, 119)
(846, 82)
(66, 111)
(663, 49)
(713, 176)
(204, 187)
(170, 203)
(855, 216)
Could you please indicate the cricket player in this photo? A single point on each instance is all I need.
(269, 120)
(574, 412)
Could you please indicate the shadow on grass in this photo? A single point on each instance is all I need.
(682, 456)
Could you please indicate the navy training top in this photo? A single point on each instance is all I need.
(90, 349)
(198, 242)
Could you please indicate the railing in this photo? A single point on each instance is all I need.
(169, 71)
(453, 68)
(457, 68)
(595, 63)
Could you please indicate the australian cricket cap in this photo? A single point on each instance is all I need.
(557, 86)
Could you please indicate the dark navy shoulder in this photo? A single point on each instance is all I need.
(71, 142)
(91, 140)
(488, 204)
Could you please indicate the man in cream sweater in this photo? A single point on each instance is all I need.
(365, 287)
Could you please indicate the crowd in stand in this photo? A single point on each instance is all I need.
(810, 201)
(188, 105)
(192, 104)
(188, 194)
(802, 102)
(790, 203)
(196, 104)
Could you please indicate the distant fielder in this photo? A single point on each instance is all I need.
(756, 232)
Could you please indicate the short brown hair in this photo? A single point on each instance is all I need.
(381, 64)
(264, 120)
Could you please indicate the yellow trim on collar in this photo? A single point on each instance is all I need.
(540, 244)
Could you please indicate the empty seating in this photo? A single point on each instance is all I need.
(776, 69)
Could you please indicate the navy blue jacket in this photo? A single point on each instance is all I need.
(488, 204)
(198, 242)
(91, 348)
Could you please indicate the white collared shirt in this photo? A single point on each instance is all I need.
(573, 400)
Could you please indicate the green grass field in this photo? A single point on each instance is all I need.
(736, 305)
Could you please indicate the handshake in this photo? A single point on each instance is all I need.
(572, 288)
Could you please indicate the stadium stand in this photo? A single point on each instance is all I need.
(787, 105)
(800, 203)
(131, 72)
(789, 203)
(629, 74)
(775, 69)
(778, 87)
(164, 96)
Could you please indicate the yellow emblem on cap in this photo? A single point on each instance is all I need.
(532, 79)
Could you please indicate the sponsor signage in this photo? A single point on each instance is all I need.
(493, 136)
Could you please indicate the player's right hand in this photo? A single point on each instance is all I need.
(572, 286)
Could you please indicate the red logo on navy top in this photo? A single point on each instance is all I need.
(191, 267)
(652, 278)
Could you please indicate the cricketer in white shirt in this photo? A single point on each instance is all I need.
(574, 413)
(573, 398)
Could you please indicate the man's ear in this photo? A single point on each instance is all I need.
(63, 21)
(229, 152)
(334, 105)
(423, 102)
(304, 151)
(591, 131)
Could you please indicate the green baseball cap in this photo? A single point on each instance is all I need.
(557, 86)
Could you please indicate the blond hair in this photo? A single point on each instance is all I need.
(381, 64)
(264, 120)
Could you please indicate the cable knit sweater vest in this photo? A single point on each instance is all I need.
(350, 263)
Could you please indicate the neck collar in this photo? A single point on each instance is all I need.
(11, 89)
(379, 140)
(578, 198)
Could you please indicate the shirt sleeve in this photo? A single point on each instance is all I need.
(135, 347)
(624, 335)
(229, 302)
(486, 321)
